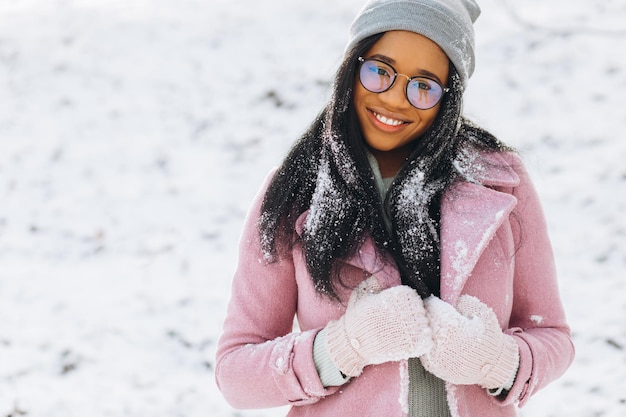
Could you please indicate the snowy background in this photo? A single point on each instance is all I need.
(134, 134)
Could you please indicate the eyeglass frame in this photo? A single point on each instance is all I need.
(362, 61)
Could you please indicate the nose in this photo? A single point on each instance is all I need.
(396, 95)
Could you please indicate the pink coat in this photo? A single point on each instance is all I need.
(494, 245)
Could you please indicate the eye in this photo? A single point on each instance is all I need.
(423, 84)
(380, 69)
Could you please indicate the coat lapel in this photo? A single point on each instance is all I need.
(471, 213)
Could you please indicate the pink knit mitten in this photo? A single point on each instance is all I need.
(377, 327)
(469, 345)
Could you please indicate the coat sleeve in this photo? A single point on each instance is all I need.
(260, 360)
(538, 320)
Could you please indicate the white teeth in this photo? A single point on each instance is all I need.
(387, 121)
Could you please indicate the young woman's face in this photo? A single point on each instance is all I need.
(388, 121)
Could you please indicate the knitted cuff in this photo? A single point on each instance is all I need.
(502, 373)
(495, 392)
(341, 352)
(329, 374)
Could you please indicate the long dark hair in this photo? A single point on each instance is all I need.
(333, 147)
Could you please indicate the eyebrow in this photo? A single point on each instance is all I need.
(420, 71)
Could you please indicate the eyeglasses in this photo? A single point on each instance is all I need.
(377, 77)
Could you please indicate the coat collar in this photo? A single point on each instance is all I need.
(471, 213)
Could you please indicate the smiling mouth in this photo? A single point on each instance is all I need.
(387, 120)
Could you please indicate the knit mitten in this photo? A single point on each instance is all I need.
(469, 345)
(377, 327)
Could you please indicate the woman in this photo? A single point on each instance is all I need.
(408, 243)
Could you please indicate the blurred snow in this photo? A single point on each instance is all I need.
(134, 134)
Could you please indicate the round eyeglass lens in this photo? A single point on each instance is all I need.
(376, 76)
(423, 93)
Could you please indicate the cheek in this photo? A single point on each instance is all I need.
(359, 100)
(358, 94)
(428, 116)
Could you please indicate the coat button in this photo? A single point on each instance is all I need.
(355, 343)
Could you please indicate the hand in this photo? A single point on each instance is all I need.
(377, 327)
(469, 345)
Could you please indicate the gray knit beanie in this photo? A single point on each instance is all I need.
(448, 23)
